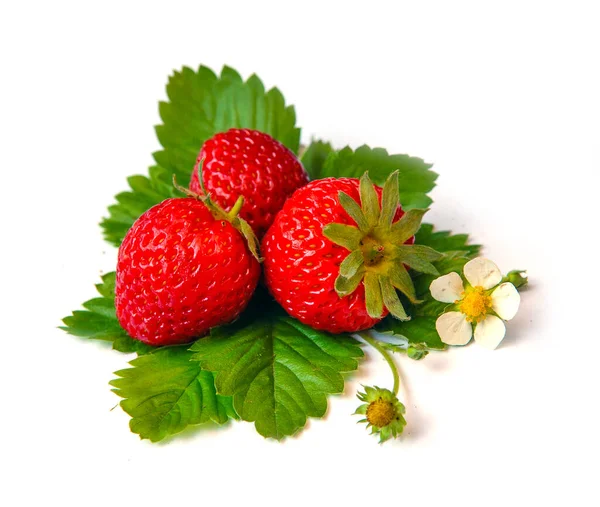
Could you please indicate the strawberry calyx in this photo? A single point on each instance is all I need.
(378, 253)
(220, 214)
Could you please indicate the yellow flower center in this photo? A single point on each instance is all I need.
(475, 304)
(380, 413)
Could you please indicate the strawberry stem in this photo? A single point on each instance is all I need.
(219, 213)
(387, 356)
(201, 177)
(184, 190)
(236, 207)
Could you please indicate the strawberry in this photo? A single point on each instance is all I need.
(335, 265)
(183, 268)
(249, 163)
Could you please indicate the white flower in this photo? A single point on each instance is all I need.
(482, 305)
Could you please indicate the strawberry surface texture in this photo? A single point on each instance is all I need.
(251, 164)
(181, 271)
(301, 264)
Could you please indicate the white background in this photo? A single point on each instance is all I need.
(502, 96)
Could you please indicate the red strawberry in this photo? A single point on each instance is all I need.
(182, 269)
(253, 164)
(335, 265)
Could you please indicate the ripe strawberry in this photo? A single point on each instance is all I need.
(335, 265)
(183, 268)
(253, 164)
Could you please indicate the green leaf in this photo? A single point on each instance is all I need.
(314, 157)
(278, 370)
(200, 105)
(165, 392)
(146, 191)
(445, 241)
(415, 179)
(416, 331)
(99, 320)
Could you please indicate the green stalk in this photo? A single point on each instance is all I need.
(387, 356)
(236, 208)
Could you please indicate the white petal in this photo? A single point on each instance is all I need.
(489, 332)
(506, 300)
(454, 329)
(482, 272)
(447, 288)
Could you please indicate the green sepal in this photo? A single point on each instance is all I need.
(419, 263)
(351, 264)
(408, 225)
(417, 351)
(517, 277)
(344, 235)
(369, 200)
(403, 282)
(389, 201)
(373, 296)
(425, 252)
(385, 434)
(346, 286)
(244, 227)
(391, 299)
(396, 425)
(354, 210)
(361, 410)
(376, 250)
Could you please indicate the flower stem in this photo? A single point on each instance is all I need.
(386, 355)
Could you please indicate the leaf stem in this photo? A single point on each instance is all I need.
(387, 356)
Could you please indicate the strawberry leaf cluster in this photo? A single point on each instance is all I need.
(267, 367)
(200, 105)
(278, 370)
(415, 177)
(99, 320)
(164, 392)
